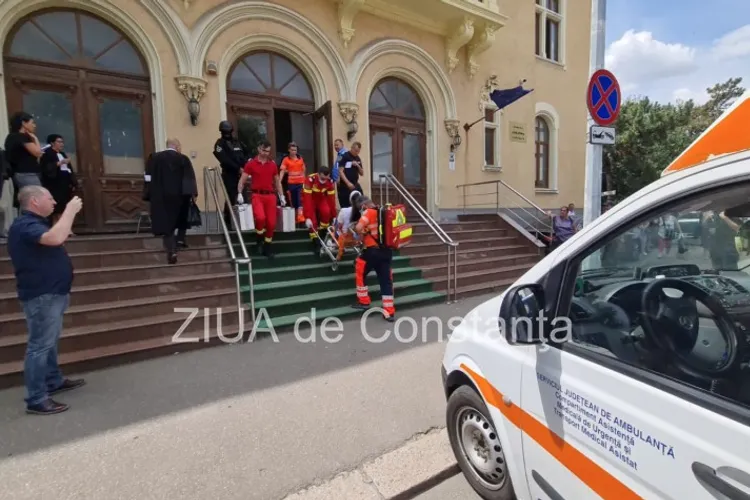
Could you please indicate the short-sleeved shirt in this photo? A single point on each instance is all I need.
(39, 269)
(295, 169)
(262, 174)
(350, 170)
(19, 158)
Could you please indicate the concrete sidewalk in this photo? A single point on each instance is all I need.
(252, 421)
(422, 460)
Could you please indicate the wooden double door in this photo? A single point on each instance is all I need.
(106, 122)
(258, 118)
(397, 147)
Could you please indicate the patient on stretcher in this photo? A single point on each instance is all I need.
(344, 227)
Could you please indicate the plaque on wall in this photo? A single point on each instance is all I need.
(517, 132)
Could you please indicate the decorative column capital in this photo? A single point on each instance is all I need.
(349, 111)
(191, 88)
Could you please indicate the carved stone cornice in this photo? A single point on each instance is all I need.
(348, 111)
(482, 42)
(348, 9)
(461, 35)
(191, 87)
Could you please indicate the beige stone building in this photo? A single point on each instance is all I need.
(116, 77)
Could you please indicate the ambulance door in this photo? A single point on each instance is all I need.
(643, 391)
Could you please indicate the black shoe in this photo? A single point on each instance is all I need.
(361, 307)
(389, 319)
(267, 252)
(172, 258)
(68, 385)
(314, 247)
(182, 244)
(48, 407)
(259, 244)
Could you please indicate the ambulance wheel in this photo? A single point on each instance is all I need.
(477, 446)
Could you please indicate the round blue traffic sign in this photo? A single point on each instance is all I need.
(603, 97)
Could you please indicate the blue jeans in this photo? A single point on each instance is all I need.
(44, 319)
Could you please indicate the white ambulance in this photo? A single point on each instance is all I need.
(618, 367)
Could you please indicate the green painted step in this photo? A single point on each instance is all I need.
(250, 236)
(263, 272)
(302, 304)
(294, 285)
(344, 312)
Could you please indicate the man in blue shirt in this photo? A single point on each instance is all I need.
(44, 276)
(338, 144)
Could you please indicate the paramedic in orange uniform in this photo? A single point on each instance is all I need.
(293, 166)
(264, 186)
(319, 201)
(374, 257)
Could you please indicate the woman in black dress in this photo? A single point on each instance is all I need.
(57, 174)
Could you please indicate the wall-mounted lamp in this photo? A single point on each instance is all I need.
(452, 127)
(352, 130)
(193, 89)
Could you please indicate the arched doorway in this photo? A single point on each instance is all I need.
(83, 79)
(269, 97)
(397, 137)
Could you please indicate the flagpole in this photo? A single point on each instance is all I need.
(592, 205)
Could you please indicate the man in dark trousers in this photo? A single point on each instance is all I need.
(232, 156)
(350, 169)
(171, 191)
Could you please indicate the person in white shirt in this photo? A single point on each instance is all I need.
(346, 237)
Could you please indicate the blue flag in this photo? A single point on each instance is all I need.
(506, 97)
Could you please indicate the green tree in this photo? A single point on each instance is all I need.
(650, 135)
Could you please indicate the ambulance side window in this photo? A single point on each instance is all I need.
(667, 296)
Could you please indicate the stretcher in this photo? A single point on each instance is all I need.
(326, 250)
(332, 241)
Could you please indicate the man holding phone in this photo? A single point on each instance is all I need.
(44, 277)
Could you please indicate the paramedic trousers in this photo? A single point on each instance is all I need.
(379, 260)
(320, 217)
(264, 213)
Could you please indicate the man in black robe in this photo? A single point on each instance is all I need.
(172, 189)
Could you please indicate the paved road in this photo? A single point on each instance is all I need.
(455, 488)
(251, 421)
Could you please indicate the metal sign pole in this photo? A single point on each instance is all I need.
(593, 183)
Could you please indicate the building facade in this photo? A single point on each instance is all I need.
(401, 76)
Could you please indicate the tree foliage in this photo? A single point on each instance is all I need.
(650, 135)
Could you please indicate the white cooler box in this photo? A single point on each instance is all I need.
(285, 219)
(245, 217)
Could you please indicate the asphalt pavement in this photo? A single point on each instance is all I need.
(252, 421)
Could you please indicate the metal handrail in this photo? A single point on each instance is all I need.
(387, 180)
(210, 177)
(545, 223)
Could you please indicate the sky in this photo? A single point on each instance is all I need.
(675, 49)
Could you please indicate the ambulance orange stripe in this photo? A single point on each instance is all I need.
(726, 136)
(595, 477)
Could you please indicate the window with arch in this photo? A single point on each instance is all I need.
(270, 73)
(394, 97)
(77, 39)
(542, 140)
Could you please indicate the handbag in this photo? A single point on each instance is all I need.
(194, 215)
(286, 216)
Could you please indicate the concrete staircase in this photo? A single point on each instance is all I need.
(491, 254)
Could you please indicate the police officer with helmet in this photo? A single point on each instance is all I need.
(232, 156)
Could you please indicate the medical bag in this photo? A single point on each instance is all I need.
(394, 232)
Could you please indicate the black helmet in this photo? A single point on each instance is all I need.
(226, 127)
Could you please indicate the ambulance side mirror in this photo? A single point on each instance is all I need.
(522, 314)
